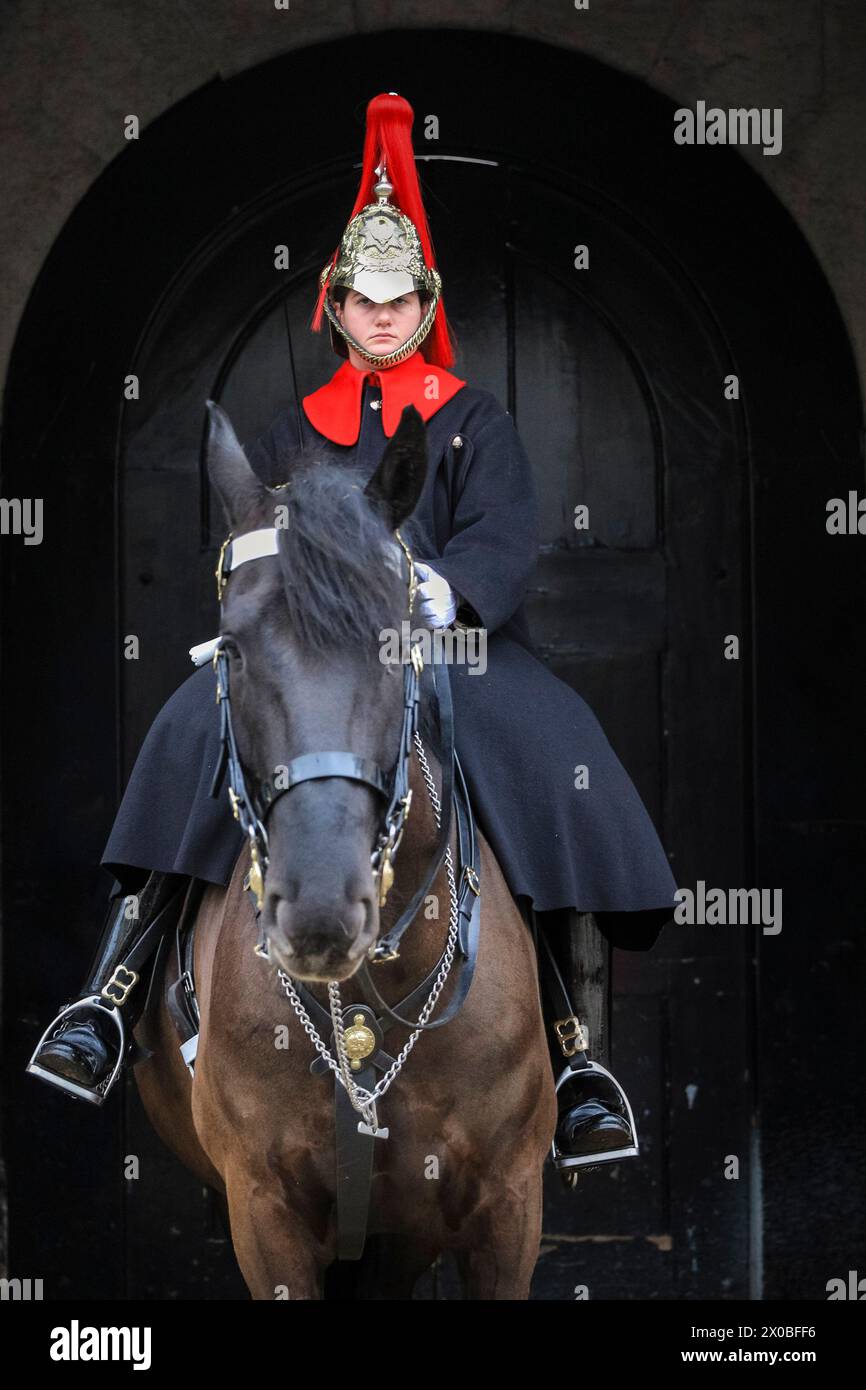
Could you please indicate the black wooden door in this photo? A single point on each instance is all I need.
(608, 372)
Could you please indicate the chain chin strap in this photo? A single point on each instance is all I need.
(388, 359)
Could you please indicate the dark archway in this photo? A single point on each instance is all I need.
(701, 510)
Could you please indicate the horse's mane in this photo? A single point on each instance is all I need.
(340, 592)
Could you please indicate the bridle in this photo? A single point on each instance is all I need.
(252, 804)
(359, 1029)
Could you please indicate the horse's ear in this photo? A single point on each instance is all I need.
(396, 485)
(237, 486)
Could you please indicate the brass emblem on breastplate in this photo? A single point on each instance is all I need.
(359, 1041)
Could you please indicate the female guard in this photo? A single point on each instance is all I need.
(559, 811)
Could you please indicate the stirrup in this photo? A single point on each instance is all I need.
(96, 1095)
(567, 1164)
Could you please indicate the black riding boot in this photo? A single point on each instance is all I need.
(83, 1049)
(595, 1124)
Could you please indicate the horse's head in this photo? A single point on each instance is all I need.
(302, 632)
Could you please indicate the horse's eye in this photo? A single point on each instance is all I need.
(231, 649)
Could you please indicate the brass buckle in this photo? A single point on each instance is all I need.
(117, 989)
(256, 875)
(571, 1034)
(472, 879)
(386, 874)
(220, 577)
(381, 960)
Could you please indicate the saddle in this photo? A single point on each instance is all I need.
(180, 998)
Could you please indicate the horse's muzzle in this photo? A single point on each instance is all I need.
(321, 938)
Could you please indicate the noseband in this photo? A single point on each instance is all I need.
(252, 805)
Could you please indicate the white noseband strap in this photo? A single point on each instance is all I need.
(252, 545)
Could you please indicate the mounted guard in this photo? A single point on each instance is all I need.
(515, 727)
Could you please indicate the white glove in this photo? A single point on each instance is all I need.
(203, 652)
(438, 601)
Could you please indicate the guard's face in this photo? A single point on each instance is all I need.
(380, 328)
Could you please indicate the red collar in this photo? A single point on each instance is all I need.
(335, 409)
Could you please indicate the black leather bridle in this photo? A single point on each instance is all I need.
(251, 805)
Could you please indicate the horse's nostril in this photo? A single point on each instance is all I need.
(314, 924)
(371, 920)
(283, 916)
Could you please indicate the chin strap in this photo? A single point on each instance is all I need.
(388, 359)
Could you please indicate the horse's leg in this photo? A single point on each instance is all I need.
(242, 1087)
(505, 1239)
(391, 1266)
(278, 1256)
(500, 1237)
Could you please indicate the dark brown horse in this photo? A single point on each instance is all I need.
(471, 1114)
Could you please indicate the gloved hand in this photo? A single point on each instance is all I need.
(437, 601)
(203, 652)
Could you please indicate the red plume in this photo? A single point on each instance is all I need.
(389, 134)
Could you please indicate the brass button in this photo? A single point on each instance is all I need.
(457, 442)
(375, 405)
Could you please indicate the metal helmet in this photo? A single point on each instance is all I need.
(386, 250)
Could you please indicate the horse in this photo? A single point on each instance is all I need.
(471, 1113)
